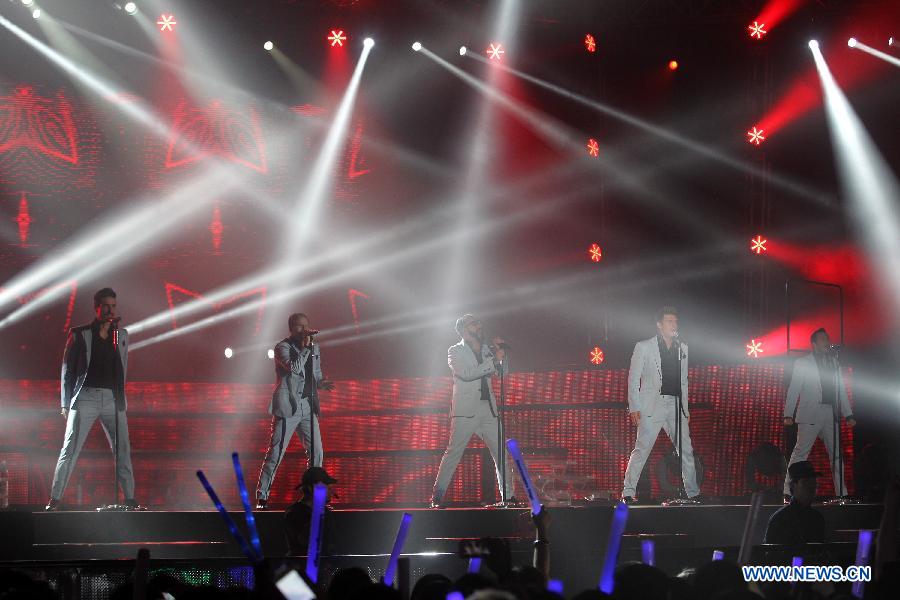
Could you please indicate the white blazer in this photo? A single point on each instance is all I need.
(804, 395)
(467, 374)
(645, 380)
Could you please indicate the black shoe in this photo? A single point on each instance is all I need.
(262, 504)
(629, 499)
(52, 505)
(786, 498)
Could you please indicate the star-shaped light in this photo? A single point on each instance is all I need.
(593, 147)
(757, 30)
(755, 136)
(167, 22)
(337, 37)
(495, 51)
(754, 348)
(595, 252)
(590, 43)
(758, 244)
(597, 356)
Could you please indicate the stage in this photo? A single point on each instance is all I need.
(198, 540)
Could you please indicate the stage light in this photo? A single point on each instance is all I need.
(757, 30)
(268, 46)
(36, 13)
(368, 42)
(813, 44)
(595, 253)
(27, 2)
(597, 356)
(593, 147)
(229, 352)
(167, 22)
(270, 353)
(755, 136)
(495, 51)
(890, 41)
(130, 8)
(852, 42)
(673, 65)
(337, 37)
(417, 46)
(758, 244)
(754, 348)
(590, 44)
(462, 50)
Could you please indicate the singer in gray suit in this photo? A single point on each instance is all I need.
(816, 387)
(473, 408)
(295, 401)
(92, 386)
(654, 382)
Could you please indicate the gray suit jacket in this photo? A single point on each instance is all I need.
(804, 395)
(467, 374)
(290, 371)
(645, 380)
(77, 358)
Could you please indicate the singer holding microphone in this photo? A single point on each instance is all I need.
(816, 399)
(295, 401)
(473, 407)
(657, 392)
(93, 385)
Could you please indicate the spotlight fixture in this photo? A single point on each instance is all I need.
(758, 245)
(757, 30)
(36, 13)
(593, 147)
(27, 2)
(130, 8)
(595, 253)
(336, 37)
(852, 42)
(270, 353)
(754, 348)
(229, 352)
(368, 42)
(268, 45)
(597, 356)
(755, 136)
(495, 52)
(813, 45)
(673, 65)
(462, 50)
(890, 41)
(417, 46)
(167, 22)
(590, 43)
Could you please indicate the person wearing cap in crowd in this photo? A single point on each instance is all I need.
(798, 522)
(298, 515)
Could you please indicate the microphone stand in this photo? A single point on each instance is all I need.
(838, 458)
(115, 506)
(501, 447)
(680, 499)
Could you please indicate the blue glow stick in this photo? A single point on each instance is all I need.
(513, 447)
(402, 532)
(232, 527)
(863, 545)
(555, 586)
(248, 511)
(718, 555)
(474, 564)
(455, 596)
(620, 516)
(797, 561)
(315, 532)
(648, 552)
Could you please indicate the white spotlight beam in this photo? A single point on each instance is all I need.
(871, 189)
(714, 154)
(877, 53)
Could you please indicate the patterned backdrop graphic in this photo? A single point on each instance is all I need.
(383, 438)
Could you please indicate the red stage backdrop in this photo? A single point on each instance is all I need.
(383, 438)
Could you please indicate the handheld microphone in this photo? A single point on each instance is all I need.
(113, 320)
(311, 332)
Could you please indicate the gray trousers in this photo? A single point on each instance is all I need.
(90, 404)
(648, 431)
(806, 436)
(484, 425)
(306, 425)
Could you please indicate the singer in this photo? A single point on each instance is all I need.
(473, 408)
(654, 388)
(93, 385)
(295, 401)
(816, 388)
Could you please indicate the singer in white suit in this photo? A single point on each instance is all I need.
(473, 409)
(654, 382)
(816, 388)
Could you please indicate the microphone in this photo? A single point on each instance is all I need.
(311, 332)
(113, 320)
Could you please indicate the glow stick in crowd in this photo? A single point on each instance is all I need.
(620, 516)
(402, 532)
(248, 511)
(315, 532)
(232, 527)
(513, 447)
(718, 555)
(863, 545)
(474, 564)
(648, 552)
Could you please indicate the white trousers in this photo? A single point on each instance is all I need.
(823, 428)
(648, 431)
(306, 425)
